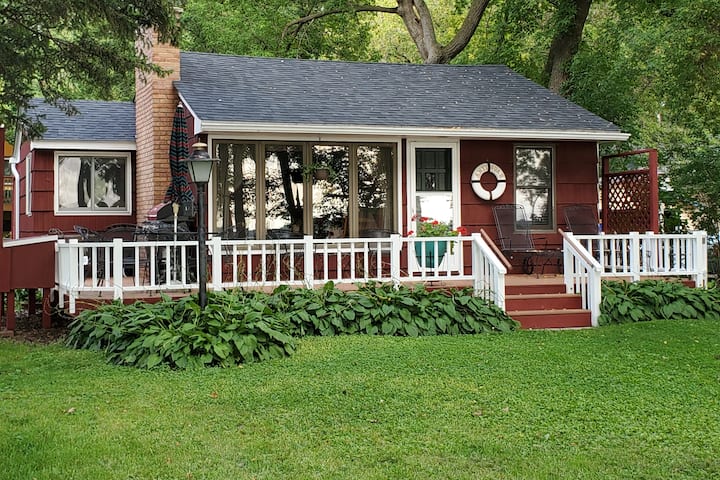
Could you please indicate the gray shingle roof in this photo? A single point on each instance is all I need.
(96, 120)
(249, 90)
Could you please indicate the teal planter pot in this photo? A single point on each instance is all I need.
(430, 253)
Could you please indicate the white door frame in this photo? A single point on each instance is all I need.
(454, 146)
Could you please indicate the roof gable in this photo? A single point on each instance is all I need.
(255, 90)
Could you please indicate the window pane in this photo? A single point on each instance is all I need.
(92, 183)
(109, 183)
(283, 196)
(375, 188)
(536, 204)
(236, 198)
(533, 167)
(330, 195)
(433, 170)
(533, 184)
(73, 182)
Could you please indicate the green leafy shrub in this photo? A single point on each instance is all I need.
(232, 329)
(624, 302)
(245, 326)
(382, 309)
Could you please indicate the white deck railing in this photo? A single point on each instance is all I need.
(637, 255)
(115, 269)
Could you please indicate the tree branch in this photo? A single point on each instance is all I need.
(300, 22)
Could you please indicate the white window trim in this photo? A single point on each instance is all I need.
(86, 211)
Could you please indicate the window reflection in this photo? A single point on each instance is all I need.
(358, 199)
(94, 183)
(533, 184)
(375, 188)
(330, 195)
(283, 197)
(236, 199)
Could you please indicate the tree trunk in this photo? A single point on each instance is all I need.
(418, 22)
(566, 42)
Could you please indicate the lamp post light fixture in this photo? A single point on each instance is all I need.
(200, 166)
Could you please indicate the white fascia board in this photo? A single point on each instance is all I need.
(207, 126)
(82, 145)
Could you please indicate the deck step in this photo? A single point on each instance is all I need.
(561, 318)
(530, 288)
(543, 301)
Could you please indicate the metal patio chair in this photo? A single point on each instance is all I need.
(516, 240)
(581, 219)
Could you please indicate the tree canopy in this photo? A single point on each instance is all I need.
(650, 66)
(73, 48)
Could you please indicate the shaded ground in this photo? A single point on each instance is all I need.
(28, 328)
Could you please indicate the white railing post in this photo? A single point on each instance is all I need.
(569, 264)
(635, 254)
(308, 261)
(651, 251)
(699, 258)
(216, 250)
(477, 263)
(117, 273)
(594, 295)
(395, 249)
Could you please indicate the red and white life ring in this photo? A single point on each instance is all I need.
(494, 170)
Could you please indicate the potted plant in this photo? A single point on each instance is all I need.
(425, 250)
(319, 170)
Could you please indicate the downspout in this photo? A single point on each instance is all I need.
(14, 160)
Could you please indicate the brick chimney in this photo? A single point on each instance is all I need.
(155, 102)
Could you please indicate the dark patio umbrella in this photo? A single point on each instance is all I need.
(179, 190)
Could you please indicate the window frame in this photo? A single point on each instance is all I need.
(93, 210)
(552, 223)
(307, 148)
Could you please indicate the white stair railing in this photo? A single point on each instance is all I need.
(583, 275)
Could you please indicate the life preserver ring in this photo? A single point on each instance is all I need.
(494, 170)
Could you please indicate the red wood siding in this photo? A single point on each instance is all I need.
(576, 180)
(43, 216)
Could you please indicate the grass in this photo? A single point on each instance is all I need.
(629, 401)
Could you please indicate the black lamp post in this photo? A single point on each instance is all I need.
(200, 165)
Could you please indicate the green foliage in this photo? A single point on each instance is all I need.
(232, 329)
(55, 49)
(248, 27)
(382, 309)
(647, 300)
(244, 326)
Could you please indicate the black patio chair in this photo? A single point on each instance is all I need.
(581, 219)
(515, 239)
(128, 233)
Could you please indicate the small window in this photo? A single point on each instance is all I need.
(98, 183)
(533, 184)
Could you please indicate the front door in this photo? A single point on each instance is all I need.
(435, 188)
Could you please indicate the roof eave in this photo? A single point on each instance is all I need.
(208, 126)
(97, 145)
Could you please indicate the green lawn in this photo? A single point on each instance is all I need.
(629, 401)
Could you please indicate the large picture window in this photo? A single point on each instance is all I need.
(293, 198)
(97, 183)
(534, 184)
